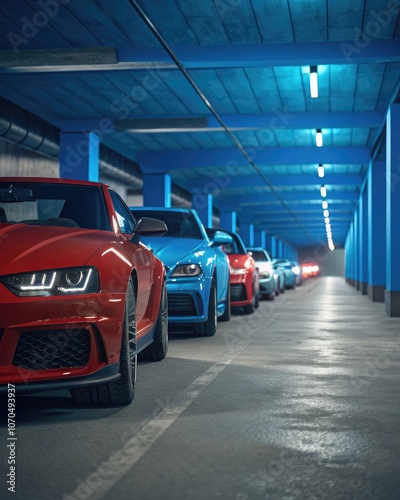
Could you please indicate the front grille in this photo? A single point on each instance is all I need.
(238, 293)
(45, 349)
(181, 304)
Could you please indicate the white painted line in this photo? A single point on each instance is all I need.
(98, 484)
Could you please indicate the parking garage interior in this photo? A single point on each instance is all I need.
(276, 120)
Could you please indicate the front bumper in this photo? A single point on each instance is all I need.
(267, 286)
(241, 288)
(188, 299)
(59, 341)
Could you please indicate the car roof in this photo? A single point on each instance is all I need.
(52, 180)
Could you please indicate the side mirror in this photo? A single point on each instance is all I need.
(221, 238)
(147, 226)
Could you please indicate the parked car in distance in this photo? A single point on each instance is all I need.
(197, 269)
(289, 270)
(309, 269)
(244, 283)
(268, 278)
(80, 295)
(296, 268)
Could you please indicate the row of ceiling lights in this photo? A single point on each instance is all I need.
(321, 171)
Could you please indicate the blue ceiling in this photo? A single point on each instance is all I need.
(77, 63)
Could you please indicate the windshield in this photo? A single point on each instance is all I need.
(179, 224)
(45, 203)
(258, 255)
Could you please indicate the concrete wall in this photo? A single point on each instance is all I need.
(18, 161)
(330, 263)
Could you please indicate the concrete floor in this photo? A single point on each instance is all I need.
(299, 401)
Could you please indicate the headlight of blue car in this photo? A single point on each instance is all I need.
(186, 271)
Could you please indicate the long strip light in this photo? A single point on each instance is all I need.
(323, 191)
(319, 140)
(314, 81)
(321, 171)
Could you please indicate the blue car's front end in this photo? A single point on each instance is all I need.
(192, 265)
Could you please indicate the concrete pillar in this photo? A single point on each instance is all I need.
(228, 220)
(259, 239)
(392, 292)
(205, 211)
(247, 234)
(157, 190)
(377, 231)
(363, 251)
(79, 156)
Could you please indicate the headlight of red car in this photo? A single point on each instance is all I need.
(240, 270)
(74, 280)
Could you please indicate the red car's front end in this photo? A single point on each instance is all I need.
(242, 280)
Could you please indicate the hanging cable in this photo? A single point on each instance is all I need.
(237, 143)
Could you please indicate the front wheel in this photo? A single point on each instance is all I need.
(227, 313)
(209, 327)
(122, 391)
(157, 350)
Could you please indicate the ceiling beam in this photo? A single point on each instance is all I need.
(233, 202)
(211, 184)
(235, 164)
(200, 57)
(259, 121)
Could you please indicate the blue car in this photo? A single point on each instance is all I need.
(197, 268)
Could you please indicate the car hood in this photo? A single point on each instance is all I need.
(25, 247)
(238, 261)
(174, 250)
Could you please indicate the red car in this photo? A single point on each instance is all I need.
(243, 274)
(80, 295)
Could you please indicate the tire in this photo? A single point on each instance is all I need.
(122, 391)
(157, 350)
(227, 313)
(250, 308)
(209, 327)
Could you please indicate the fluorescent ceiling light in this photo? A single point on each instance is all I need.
(321, 171)
(314, 81)
(327, 220)
(324, 204)
(319, 141)
(323, 191)
(326, 213)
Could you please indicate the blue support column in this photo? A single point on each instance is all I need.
(79, 156)
(205, 210)
(274, 247)
(356, 249)
(227, 220)
(280, 248)
(363, 209)
(259, 239)
(353, 253)
(377, 231)
(247, 234)
(157, 190)
(392, 292)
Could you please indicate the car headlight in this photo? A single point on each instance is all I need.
(240, 270)
(265, 275)
(74, 280)
(186, 271)
(296, 270)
